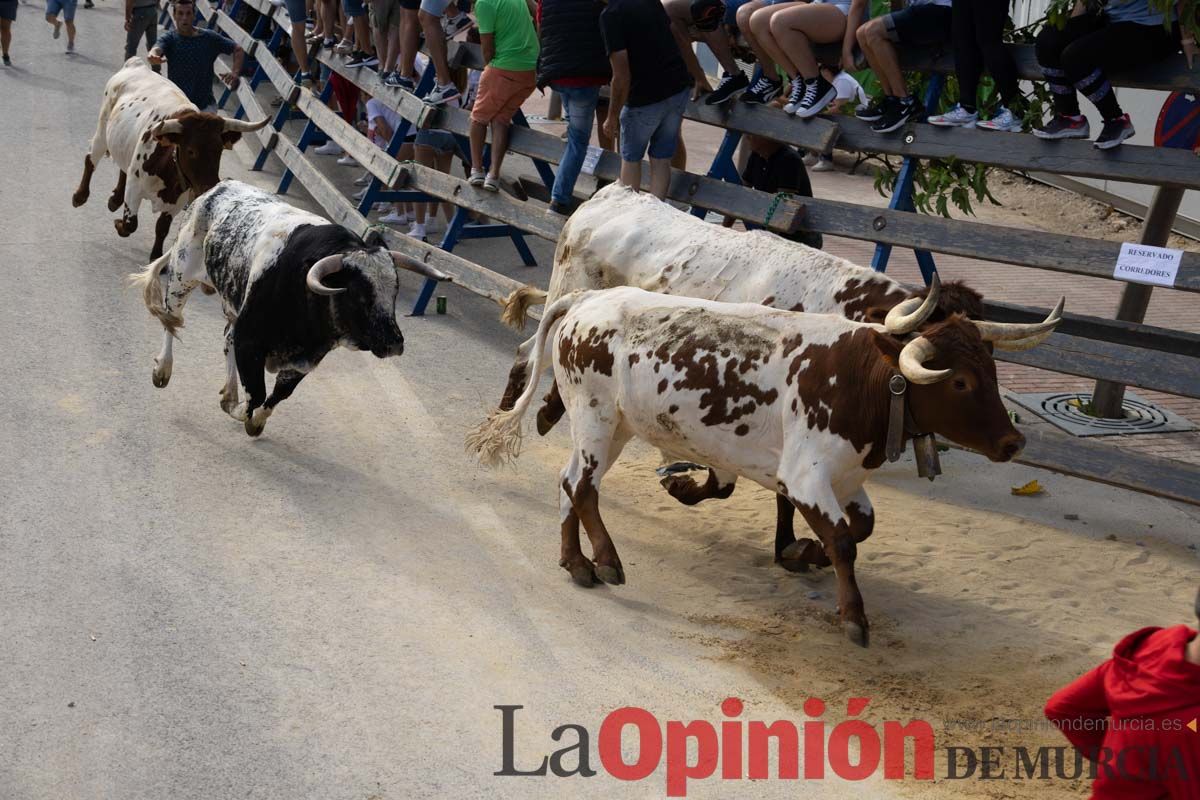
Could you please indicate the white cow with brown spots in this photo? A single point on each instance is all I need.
(797, 403)
(168, 151)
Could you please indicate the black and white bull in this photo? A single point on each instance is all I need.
(293, 285)
(798, 403)
(168, 151)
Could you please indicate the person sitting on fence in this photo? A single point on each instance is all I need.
(572, 61)
(700, 21)
(753, 21)
(190, 53)
(850, 97)
(977, 29)
(921, 23)
(437, 148)
(297, 11)
(1095, 41)
(510, 50)
(430, 18)
(788, 39)
(363, 53)
(774, 167)
(1134, 716)
(650, 89)
(141, 19)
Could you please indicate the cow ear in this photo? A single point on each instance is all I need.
(230, 138)
(876, 315)
(169, 139)
(888, 347)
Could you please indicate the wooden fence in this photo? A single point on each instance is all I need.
(1120, 352)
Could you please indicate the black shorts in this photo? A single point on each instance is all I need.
(926, 24)
(411, 5)
(8, 10)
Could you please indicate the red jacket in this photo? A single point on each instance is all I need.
(1149, 694)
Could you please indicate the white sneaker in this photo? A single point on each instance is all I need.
(441, 94)
(811, 159)
(1002, 120)
(477, 178)
(345, 47)
(365, 180)
(823, 166)
(330, 148)
(392, 218)
(416, 231)
(957, 117)
(359, 195)
(347, 160)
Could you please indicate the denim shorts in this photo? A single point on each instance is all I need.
(296, 10)
(354, 8)
(654, 127)
(442, 141)
(435, 7)
(65, 6)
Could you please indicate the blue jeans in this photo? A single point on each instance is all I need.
(579, 103)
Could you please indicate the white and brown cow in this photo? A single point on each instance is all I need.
(797, 403)
(168, 151)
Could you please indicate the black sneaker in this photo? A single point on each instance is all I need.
(896, 114)
(560, 208)
(359, 59)
(1064, 127)
(1114, 132)
(7, 60)
(795, 95)
(729, 87)
(818, 93)
(763, 91)
(875, 109)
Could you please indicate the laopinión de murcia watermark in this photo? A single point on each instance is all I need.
(736, 747)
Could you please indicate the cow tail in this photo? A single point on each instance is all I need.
(498, 438)
(516, 306)
(152, 292)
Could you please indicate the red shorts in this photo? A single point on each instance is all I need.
(501, 93)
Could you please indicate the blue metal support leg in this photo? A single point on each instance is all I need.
(306, 136)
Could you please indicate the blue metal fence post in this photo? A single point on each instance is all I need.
(902, 195)
(306, 136)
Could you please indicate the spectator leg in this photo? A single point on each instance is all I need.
(968, 63)
(435, 40)
(499, 146)
(990, 18)
(299, 49)
(410, 33)
(1112, 47)
(580, 104)
(881, 56)
(796, 28)
(760, 24)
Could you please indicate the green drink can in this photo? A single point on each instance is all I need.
(441, 304)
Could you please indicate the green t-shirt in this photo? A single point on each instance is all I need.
(516, 39)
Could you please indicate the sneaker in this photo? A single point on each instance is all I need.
(957, 117)
(358, 59)
(824, 165)
(344, 47)
(365, 180)
(359, 195)
(329, 43)
(371, 61)
(416, 232)
(873, 110)
(729, 87)
(347, 161)
(1061, 126)
(492, 184)
(763, 91)
(71, 50)
(305, 78)
(795, 95)
(818, 93)
(89, 4)
(896, 114)
(477, 177)
(1002, 120)
(451, 26)
(57, 29)
(7, 60)
(1114, 132)
(560, 208)
(313, 38)
(393, 218)
(811, 159)
(330, 148)
(441, 94)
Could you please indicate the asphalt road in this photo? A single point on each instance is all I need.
(330, 611)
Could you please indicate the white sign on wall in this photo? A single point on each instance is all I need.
(1144, 263)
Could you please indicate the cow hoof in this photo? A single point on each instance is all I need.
(857, 633)
(683, 488)
(161, 375)
(583, 572)
(79, 198)
(239, 412)
(807, 551)
(125, 227)
(544, 423)
(114, 202)
(228, 404)
(792, 564)
(254, 429)
(610, 574)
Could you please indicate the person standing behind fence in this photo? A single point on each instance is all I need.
(1095, 41)
(190, 53)
(921, 23)
(572, 61)
(650, 89)
(978, 26)
(141, 20)
(1135, 715)
(510, 50)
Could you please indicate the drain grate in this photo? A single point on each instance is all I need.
(1064, 410)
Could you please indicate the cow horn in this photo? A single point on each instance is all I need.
(910, 314)
(167, 126)
(913, 358)
(420, 267)
(326, 266)
(1021, 335)
(243, 126)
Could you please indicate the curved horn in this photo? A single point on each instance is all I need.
(243, 126)
(913, 358)
(1021, 335)
(326, 266)
(167, 126)
(421, 268)
(910, 314)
